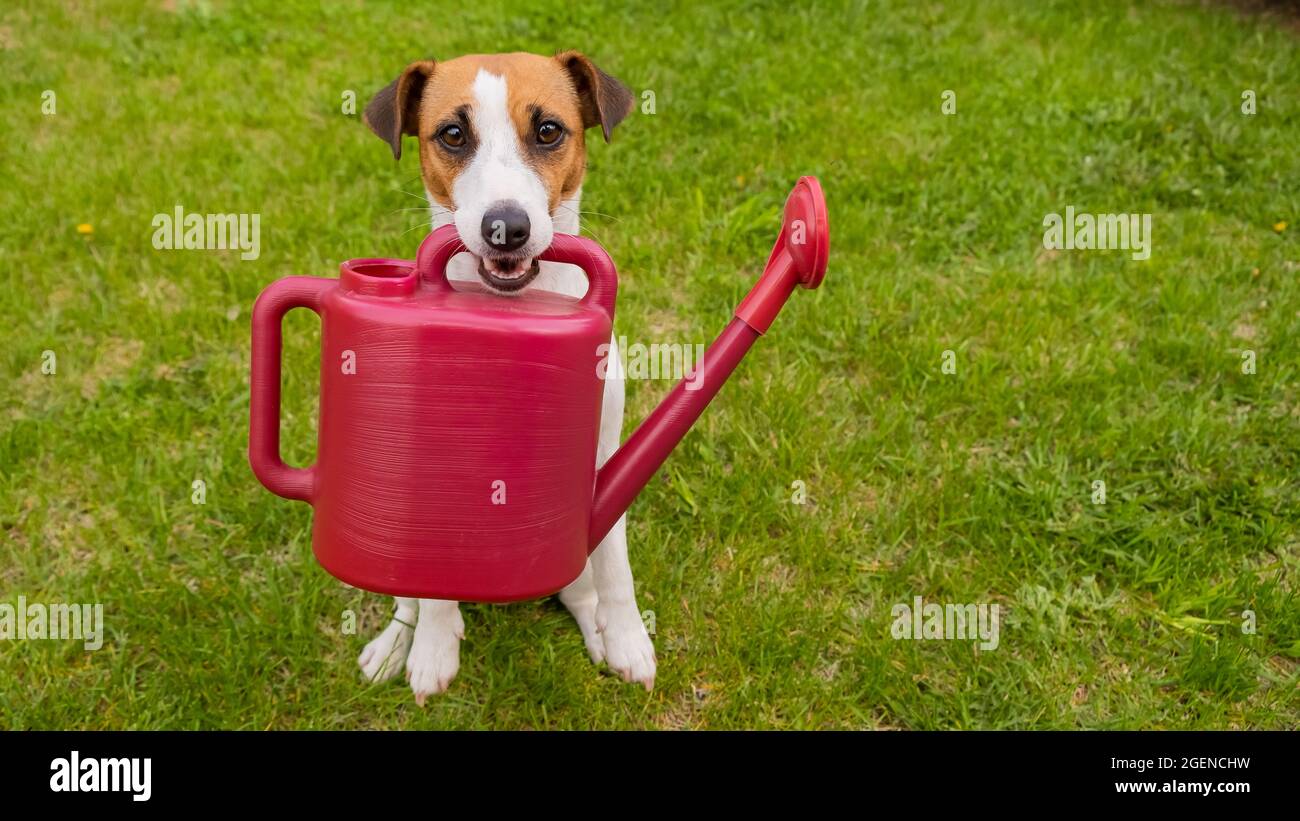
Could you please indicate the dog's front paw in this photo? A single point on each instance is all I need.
(384, 655)
(628, 649)
(434, 658)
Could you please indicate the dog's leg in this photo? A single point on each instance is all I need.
(435, 652)
(580, 598)
(628, 649)
(386, 653)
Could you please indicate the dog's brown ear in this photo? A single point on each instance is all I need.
(395, 109)
(605, 101)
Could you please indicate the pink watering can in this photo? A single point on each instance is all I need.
(456, 456)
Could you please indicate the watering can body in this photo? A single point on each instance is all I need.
(458, 429)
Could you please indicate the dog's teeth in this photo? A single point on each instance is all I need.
(513, 273)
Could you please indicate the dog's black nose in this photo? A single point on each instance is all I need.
(505, 226)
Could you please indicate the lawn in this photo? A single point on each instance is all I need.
(961, 477)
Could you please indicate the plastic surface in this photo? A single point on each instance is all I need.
(458, 428)
(798, 258)
(633, 464)
(264, 385)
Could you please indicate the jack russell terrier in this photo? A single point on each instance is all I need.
(502, 156)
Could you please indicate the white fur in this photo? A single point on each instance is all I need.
(497, 172)
(602, 599)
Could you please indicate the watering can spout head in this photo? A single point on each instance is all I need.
(798, 258)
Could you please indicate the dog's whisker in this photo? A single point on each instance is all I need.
(586, 228)
(599, 214)
(592, 233)
(582, 212)
(415, 227)
(409, 194)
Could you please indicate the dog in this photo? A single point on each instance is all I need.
(503, 158)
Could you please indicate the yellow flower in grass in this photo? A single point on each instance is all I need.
(85, 229)
(1279, 226)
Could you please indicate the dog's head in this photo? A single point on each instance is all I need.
(501, 146)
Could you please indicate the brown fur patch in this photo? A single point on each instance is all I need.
(532, 82)
(538, 88)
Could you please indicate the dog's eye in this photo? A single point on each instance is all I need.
(549, 133)
(452, 136)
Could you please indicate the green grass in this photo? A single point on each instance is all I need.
(1072, 367)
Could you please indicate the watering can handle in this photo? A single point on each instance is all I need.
(278, 299)
(444, 243)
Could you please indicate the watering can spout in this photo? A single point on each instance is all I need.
(798, 258)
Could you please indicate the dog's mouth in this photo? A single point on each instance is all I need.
(507, 273)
